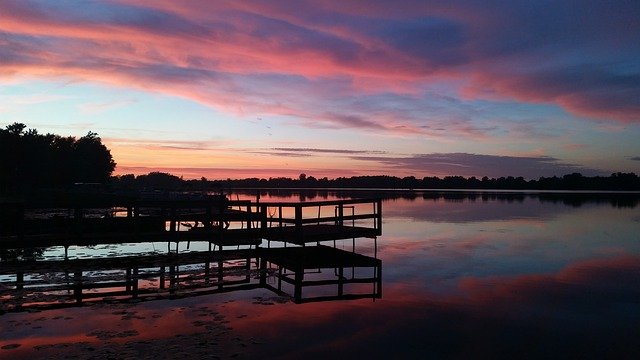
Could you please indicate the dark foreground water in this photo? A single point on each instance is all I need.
(464, 276)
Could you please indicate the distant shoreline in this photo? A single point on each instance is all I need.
(470, 190)
(617, 182)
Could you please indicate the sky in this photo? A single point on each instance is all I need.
(236, 89)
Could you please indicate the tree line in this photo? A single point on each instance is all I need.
(29, 160)
(574, 181)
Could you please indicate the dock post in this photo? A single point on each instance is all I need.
(248, 268)
(298, 210)
(134, 280)
(172, 220)
(77, 286)
(172, 279)
(128, 280)
(379, 216)
(299, 277)
(375, 247)
(162, 279)
(379, 279)
(249, 216)
(263, 217)
(263, 270)
(220, 274)
(20, 281)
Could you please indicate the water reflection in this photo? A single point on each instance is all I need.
(488, 276)
(588, 310)
(354, 276)
(464, 277)
(42, 285)
(574, 198)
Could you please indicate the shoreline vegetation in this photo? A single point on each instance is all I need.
(569, 182)
(30, 162)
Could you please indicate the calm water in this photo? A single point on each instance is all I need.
(464, 276)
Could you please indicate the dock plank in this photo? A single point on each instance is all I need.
(318, 232)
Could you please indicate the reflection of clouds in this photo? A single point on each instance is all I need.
(466, 209)
(135, 330)
(71, 325)
(438, 242)
(545, 315)
(605, 282)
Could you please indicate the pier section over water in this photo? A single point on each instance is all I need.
(81, 221)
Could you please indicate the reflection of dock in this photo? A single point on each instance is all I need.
(292, 265)
(72, 282)
(28, 285)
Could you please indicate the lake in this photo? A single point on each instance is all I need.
(464, 275)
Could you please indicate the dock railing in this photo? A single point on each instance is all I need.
(30, 223)
(80, 221)
(304, 217)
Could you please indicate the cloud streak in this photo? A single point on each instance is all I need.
(290, 162)
(265, 58)
(464, 164)
(327, 151)
(213, 173)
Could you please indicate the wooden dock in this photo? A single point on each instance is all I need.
(235, 259)
(222, 222)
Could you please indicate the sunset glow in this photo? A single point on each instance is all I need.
(342, 88)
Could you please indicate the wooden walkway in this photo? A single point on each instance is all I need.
(220, 221)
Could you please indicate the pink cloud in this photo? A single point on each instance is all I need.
(213, 173)
(267, 58)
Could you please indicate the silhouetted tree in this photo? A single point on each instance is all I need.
(159, 180)
(29, 160)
